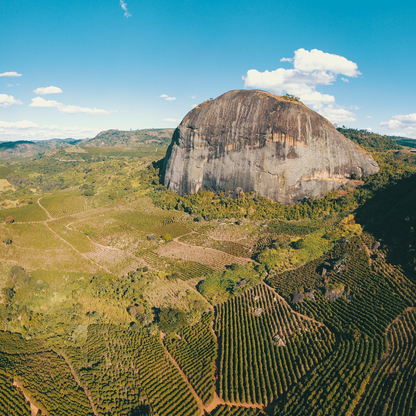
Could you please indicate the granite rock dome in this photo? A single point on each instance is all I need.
(257, 141)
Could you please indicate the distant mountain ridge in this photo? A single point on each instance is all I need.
(107, 138)
(132, 138)
(27, 148)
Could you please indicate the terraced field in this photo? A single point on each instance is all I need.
(260, 340)
(393, 386)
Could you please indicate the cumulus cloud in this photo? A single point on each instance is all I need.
(10, 74)
(316, 60)
(404, 123)
(47, 90)
(8, 100)
(310, 70)
(167, 98)
(193, 97)
(369, 117)
(28, 130)
(337, 114)
(171, 120)
(124, 7)
(68, 109)
(345, 79)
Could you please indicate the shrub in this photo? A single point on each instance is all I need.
(9, 220)
(299, 244)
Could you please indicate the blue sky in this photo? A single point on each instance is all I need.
(72, 69)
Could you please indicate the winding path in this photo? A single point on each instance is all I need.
(197, 398)
(78, 381)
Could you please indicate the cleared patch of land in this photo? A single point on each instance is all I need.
(215, 259)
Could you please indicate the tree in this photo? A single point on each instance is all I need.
(9, 220)
(171, 320)
(167, 237)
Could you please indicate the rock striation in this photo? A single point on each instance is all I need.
(260, 142)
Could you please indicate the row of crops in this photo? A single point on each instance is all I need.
(360, 318)
(392, 391)
(195, 352)
(398, 282)
(224, 410)
(12, 402)
(123, 370)
(334, 386)
(48, 381)
(370, 306)
(264, 348)
(184, 269)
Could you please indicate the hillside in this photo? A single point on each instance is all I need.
(27, 149)
(404, 141)
(369, 141)
(132, 138)
(119, 297)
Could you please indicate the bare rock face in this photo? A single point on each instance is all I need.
(257, 141)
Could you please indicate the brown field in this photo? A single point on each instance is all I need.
(215, 259)
(5, 185)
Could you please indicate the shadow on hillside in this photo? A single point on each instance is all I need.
(391, 217)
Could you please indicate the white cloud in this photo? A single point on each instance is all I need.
(27, 130)
(369, 129)
(68, 109)
(193, 97)
(316, 60)
(345, 79)
(41, 102)
(337, 114)
(9, 85)
(353, 107)
(167, 98)
(310, 69)
(124, 7)
(298, 83)
(406, 124)
(10, 74)
(8, 100)
(171, 120)
(47, 90)
(369, 117)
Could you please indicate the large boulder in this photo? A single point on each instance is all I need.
(260, 142)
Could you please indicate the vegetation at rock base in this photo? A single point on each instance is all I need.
(119, 297)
